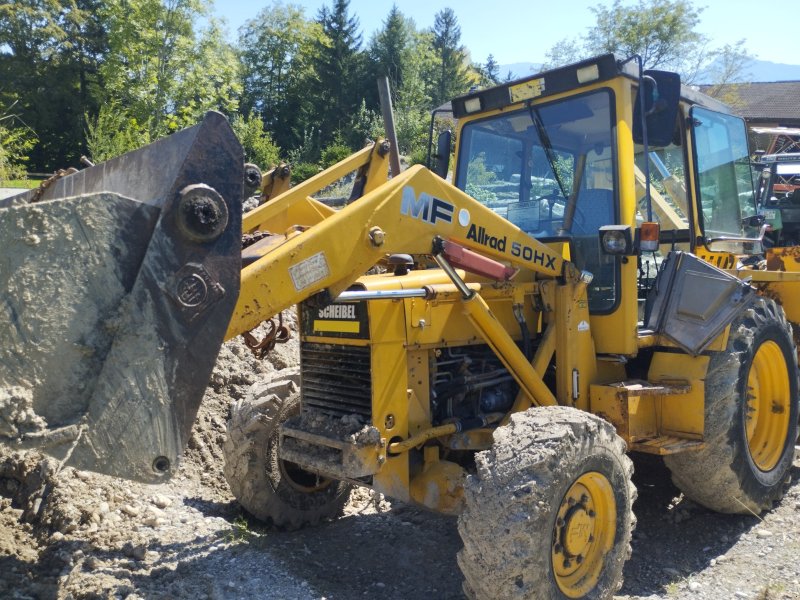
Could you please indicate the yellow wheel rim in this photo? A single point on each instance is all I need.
(767, 410)
(584, 533)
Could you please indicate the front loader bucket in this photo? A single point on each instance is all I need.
(116, 288)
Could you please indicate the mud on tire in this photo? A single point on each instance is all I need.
(555, 485)
(272, 490)
(751, 406)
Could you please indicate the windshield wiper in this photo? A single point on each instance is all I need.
(546, 145)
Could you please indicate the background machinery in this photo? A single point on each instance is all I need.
(591, 283)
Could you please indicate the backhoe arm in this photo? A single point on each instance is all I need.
(401, 216)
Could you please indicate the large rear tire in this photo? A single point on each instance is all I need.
(548, 513)
(751, 414)
(273, 490)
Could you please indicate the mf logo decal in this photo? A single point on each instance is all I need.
(425, 207)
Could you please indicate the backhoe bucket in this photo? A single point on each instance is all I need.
(116, 287)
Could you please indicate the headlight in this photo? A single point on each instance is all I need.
(616, 239)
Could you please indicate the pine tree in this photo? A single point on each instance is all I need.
(491, 71)
(452, 78)
(390, 48)
(339, 67)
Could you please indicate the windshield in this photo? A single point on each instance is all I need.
(552, 179)
(725, 183)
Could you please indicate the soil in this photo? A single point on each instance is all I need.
(73, 534)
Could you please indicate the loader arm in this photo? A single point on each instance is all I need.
(403, 215)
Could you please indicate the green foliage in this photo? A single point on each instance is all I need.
(478, 178)
(161, 68)
(257, 143)
(565, 52)
(302, 171)
(489, 73)
(391, 48)
(480, 194)
(662, 32)
(239, 531)
(16, 140)
(452, 77)
(727, 70)
(411, 125)
(113, 132)
(339, 66)
(119, 73)
(49, 58)
(478, 174)
(276, 54)
(334, 152)
(364, 126)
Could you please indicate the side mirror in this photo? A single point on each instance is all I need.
(662, 95)
(442, 156)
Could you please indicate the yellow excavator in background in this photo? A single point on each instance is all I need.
(491, 347)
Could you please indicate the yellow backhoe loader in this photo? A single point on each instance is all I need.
(592, 283)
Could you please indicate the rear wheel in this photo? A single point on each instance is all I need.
(751, 411)
(548, 514)
(274, 490)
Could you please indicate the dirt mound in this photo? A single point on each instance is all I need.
(70, 533)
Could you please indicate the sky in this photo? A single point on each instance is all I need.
(516, 31)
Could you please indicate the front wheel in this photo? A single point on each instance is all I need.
(274, 490)
(548, 513)
(751, 409)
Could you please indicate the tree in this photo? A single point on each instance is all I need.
(161, 69)
(452, 77)
(49, 70)
(565, 52)
(339, 67)
(390, 48)
(662, 32)
(257, 143)
(726, 71)
(113, 132)
(276, 53)
(16, 140)
(491, 71)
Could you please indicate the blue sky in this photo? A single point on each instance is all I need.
(523, 30)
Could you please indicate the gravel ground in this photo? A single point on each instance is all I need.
(72, 534)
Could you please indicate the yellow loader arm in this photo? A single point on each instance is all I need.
(403, 215)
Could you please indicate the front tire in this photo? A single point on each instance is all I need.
(273, 490)
(751, 406)
(548, 514)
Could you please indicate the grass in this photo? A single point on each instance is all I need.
(672, 588)
(25, 184)
(771, 592)
(240, 530)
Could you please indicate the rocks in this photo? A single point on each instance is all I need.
(161, 501)
(764, 533)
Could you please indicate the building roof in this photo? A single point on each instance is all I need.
(775, 102)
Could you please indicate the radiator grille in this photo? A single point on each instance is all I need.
(336, 379)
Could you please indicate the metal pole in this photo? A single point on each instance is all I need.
(388, 122)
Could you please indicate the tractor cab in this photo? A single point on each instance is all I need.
(778, 196)
(564, 156)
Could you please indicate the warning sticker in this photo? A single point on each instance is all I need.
(527, 89)
(310, 271)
